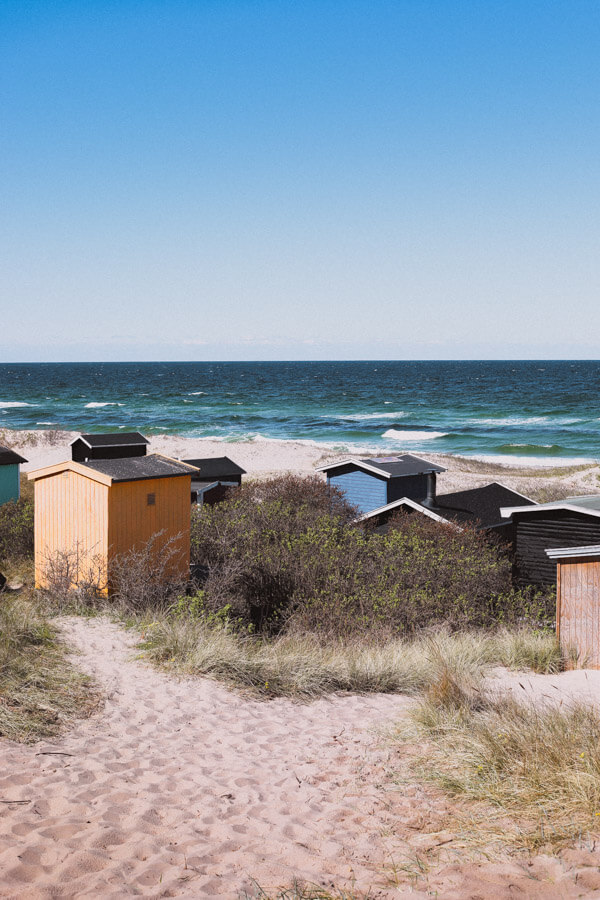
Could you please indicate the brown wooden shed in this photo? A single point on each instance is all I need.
(105, 507)
(578, 603)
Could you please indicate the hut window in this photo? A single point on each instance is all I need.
(151, 499)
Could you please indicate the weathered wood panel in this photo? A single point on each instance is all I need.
(534, 533)
(578, 609)
(71, 516)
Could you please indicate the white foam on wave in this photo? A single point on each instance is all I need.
(398, 435)
(46, 423)
(526, 420)
(552, 462)
(95, 405)
(196, 393)
(13, 404)
(359, 417)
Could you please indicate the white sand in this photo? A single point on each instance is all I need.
(262, 458)
(184, 788)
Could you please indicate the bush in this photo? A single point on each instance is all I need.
(282, 559)
(147, 578)
(16, 530)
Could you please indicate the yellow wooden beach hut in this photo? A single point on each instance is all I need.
(105, 507)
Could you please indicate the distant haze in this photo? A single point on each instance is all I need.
(318, 180)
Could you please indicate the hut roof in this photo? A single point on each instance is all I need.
(8, 457)
(481, 504)
(588, 505)
(112, 439)
(215, 467)
(388, 466)
(138, 468)
(108, 471)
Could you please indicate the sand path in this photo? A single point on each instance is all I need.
(183, 788)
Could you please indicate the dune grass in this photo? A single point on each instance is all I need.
(300, 890)
(40, 690)
(308, 665)
(532, 770)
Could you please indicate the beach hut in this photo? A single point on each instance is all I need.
(112, 445)
(214, 477)
(578, 602)
(574, 522)
(10, 480)
(375, 482)
(102, 508)
(479, 507)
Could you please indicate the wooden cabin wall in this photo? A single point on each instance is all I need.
(534, 533)
(80, 452)
(412, 486)
(132, 521)
(10, 485)
(363, 490)
(71, 516)
(578, 609)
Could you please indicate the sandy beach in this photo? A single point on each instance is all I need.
(266, 457)
(183, 788)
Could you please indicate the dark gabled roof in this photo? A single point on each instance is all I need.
(479, 505)
(215, 467)
(138, 468)
(113, 439)
(8, 457)
(394, 466)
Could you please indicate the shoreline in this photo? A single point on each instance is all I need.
(266, 457)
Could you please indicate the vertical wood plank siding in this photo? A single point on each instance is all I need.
(9, 483)
(132, 522)
(534, 533)
(578, 609)
(71, 515)
(363, 490)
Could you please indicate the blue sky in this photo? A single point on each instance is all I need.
(295, 180)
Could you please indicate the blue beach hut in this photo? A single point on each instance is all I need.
(10, 485)
(371, 483)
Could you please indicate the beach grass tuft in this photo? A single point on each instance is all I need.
(531, 771)
(309, 665)
(40, 690)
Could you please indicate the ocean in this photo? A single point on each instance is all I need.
(536, 412)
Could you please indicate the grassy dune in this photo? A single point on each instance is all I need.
(40, 690)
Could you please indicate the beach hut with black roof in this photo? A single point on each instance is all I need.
(215, 476)
(10, 474)
(374, 482)
(478, 507)
(111, 445)
(574, 522)
(102, 508)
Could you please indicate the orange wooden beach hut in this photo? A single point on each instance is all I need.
(105, 507)
(578, 602)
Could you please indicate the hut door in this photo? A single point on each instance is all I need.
(579, 610)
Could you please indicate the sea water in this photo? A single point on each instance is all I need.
(544, 412)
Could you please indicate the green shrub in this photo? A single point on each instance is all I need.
(279, 562)
(16, 530)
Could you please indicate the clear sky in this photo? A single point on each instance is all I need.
(299, 179)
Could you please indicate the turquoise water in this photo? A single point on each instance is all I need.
(538, 411)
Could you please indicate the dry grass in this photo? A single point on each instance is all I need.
(532, 773)
(300, 890)
(40, 690)
(306, 665)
